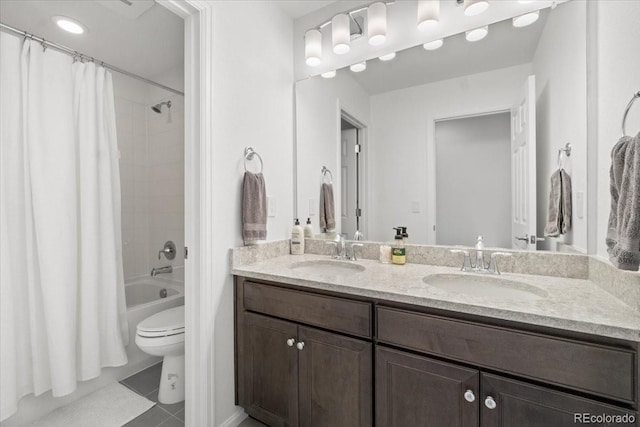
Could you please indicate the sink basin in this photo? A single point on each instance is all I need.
(485, 286)
(327, 267)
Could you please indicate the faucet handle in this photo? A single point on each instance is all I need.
(493, 264)
(466, 264)
(353, 250)
(335, 245)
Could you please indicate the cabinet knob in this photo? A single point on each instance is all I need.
(469, 396)
(300, 345)
(291, 342)
(490, 403)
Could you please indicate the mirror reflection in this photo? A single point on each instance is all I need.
(461, 141)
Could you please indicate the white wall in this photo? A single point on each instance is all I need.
(402, 139)
(253, 105)
(318, 104)
(473, 178)
(560, 66)
(618, 61)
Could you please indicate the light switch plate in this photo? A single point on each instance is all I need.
(415, 206)
(271, 206)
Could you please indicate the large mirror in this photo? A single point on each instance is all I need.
(455, 142)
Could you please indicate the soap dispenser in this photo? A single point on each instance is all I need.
(308, 230)
(297, 239)
(479, 254)
(398, 251)
(405, 235)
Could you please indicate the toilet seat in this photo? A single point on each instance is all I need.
(164, 324)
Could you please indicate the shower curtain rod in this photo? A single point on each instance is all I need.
(82, 56)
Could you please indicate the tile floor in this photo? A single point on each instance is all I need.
(145, 383)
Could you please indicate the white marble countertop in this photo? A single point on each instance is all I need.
(571, 304)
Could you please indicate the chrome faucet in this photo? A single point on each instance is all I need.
(479, 267)
(341, 252)
(161, 270)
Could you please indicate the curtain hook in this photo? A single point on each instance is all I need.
(44, 45)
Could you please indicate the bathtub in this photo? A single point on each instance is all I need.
(144, 298)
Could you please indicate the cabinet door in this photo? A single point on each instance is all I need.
(335, 386)
(524, 405)
(270, 370)
(418, 391)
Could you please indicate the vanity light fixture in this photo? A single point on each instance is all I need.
(340, 33)
(526, 19)
(358, 67)
(69, 25)
(377, 23)
(329, 74)
(475, 7)
(387, 57)
(477, 34)
(313, 47)
(433, 45)
(428, 14)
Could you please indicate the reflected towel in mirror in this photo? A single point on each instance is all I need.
(559, 214)
(327, 208)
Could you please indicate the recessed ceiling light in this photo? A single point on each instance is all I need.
(477, 34)
(526, 19)
(436, 44)
(69, 25)
(329, 74)
(387, 57)
(358, 67)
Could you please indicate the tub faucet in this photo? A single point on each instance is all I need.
(160, 270)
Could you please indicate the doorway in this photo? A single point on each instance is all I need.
(351, 136)
(473, 180)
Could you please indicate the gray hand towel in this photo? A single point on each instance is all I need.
(559, 213)
(254, 207)
(327, 208)
(624, 242)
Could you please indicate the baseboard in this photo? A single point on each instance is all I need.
(234, 420)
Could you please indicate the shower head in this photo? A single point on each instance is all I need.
(158, 107)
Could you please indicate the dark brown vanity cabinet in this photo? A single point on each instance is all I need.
(308, 358)
(290, 374)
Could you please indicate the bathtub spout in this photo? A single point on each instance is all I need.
(160, 270)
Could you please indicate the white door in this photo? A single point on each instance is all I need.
(523, 167)
(348, 182)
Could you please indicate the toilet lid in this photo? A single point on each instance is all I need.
(167, 322)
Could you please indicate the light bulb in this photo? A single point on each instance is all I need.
(436, 44)
(329, 74)
(387, 57)
(475, 7)
(477, 34)
(313, 47)
(377, 23)
(526, 19)
(428, 14)
(340, 34)
(358, 67)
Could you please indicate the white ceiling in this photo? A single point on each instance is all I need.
(504, 46)
(296, 9)
(148, 45)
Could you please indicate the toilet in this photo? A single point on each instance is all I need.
(163, 335)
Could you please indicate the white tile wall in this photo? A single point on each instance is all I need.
(152, 181)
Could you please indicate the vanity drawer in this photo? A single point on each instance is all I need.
(598, 369)
(337, 314)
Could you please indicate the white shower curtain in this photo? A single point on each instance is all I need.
(62, 307)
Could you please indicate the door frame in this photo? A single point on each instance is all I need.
(344, 110)
(199, 284)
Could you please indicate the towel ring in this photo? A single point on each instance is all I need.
(326, 171)
(626, 111)
(567, 152)
(249, 153)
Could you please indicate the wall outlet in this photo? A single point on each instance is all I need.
(312, 207)
(271, 206)
(580, 204)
